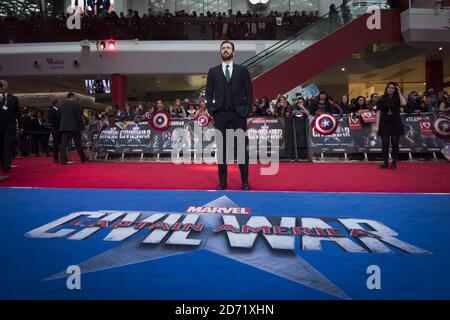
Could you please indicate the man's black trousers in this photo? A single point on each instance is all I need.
(228, 119)
(65, 142)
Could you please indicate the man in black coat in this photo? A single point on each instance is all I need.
(90, 4)
(70, 118)
(53, 124)
(105, 6)
(9, 119)
(25, 136)
(229, 100)
(40, 134)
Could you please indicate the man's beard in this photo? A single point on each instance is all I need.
(227, 58)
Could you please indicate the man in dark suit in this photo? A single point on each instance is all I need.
(106, 4)
(90, 4)
(24, 137)
(70, 126)
(40, 134)
(9, 118)
(53, 123)
(229, 100)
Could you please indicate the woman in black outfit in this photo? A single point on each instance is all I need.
(358, 105)
(389, 124)
(321, 104)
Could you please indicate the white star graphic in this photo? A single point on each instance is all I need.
(325, 123)
(445, 125)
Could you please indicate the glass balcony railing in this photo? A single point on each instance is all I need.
(327, 24)
(331, 22)
(429, 4)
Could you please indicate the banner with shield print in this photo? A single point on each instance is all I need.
(355, 136)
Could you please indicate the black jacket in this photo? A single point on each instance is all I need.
(241, 86)
(53, 120)
(9, 116)
(39, 127)
(70, 116)
(26, 123)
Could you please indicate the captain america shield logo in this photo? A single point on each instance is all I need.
(441, 127)
(203, 120)
(325, 124)
(148, 115)
(160, 121)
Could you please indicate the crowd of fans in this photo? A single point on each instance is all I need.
(299, 106)
(182, 24)
(295, 17)
(280, 107)
(36, 129)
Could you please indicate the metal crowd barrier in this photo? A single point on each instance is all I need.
(300, 142)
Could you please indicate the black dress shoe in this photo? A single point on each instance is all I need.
(393, 165)
(245, 186)
(222, 186)
(384, 166)
(55, 160)
(6, 169)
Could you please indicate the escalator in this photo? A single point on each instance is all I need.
(288, 63)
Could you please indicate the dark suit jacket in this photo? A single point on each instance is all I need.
(70, 116)
(53, 119)
(37, 127)
(8, 117)
(26, 123)
(241, 84)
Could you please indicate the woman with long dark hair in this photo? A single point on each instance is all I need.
(388, 123)
(359, 104)
(321, 104)
(343, 103)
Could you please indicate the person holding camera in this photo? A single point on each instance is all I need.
(178, 110)
(300, 110)
(388, 122)
(415, 104)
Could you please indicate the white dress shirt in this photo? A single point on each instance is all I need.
(224, 68)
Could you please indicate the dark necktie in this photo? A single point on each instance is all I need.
(227, 73)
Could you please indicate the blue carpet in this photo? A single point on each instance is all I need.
(420, 220)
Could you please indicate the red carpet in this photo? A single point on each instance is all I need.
(415, 177)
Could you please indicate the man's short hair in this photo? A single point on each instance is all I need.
(226, 41)
(3, 82)
(70, 95)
